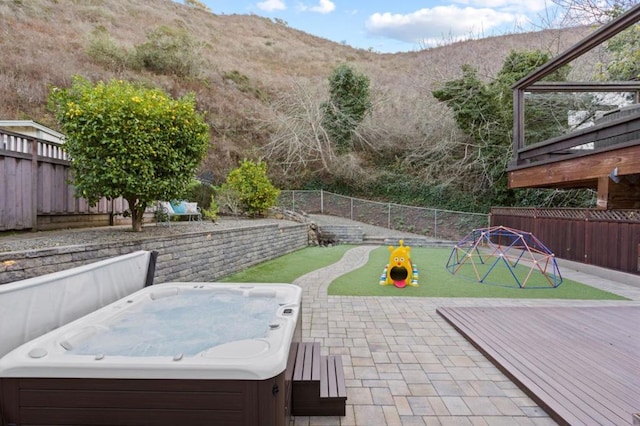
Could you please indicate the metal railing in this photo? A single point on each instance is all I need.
(14, 142)
(434, 223)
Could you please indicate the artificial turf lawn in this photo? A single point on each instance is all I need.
(435, 280)
(285, 269)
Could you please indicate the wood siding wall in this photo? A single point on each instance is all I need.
(34, 189)
(606, 238)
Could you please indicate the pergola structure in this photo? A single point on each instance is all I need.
(605, 156)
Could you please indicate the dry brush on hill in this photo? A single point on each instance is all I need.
(257, 79)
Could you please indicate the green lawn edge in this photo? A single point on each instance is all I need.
(436, 281)
(287, 268)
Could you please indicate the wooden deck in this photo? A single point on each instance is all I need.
(580, 364)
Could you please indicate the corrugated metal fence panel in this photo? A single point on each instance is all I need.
(609, 239)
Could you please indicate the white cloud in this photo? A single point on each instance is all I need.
(508, 5)
(271, 5)
(449, 22)
(323, 6)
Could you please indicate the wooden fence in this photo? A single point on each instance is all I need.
(34, 189)
(606, 238)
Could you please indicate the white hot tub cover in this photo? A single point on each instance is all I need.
(32, 307)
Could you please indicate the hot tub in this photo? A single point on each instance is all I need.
(174, 353)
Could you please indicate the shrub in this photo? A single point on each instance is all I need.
(228, 199)
(197, 4)
(104, 51)
(256, 192)
(243, 84)
(211, 212)
(201, 193)
(171, 52)
(167, 51)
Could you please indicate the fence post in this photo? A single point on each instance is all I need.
(435, 224)
(293, 200)
(34, 184)
(321, 201)
(389, 215)
(587, 237)
(351, 208)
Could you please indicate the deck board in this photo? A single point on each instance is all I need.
(580, 364)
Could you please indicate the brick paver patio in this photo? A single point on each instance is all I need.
(405, 365)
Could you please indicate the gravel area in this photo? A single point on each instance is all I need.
(22, 241)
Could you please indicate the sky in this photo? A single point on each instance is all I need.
(390, 26)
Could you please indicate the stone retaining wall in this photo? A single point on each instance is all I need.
(199, 256)
(340, 234)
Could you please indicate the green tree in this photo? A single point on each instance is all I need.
(547, 114)
(478, 111)
(130, 141)
(475, 106)
(623, 63)
(625, 55)
(347, 106)
(484, 111)
(254, 189)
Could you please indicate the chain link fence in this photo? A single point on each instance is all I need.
(434, 223)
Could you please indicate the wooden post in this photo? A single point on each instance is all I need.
(622, 195)
(518, 122)
(602, 202)
(34, 184)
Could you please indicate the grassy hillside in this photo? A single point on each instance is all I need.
(249, 69)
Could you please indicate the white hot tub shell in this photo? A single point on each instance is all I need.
(67, 376)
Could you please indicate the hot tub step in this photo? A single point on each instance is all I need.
(333, 393)
(318, 383)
